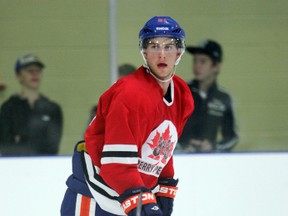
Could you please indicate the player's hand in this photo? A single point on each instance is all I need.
(166, 194)
(192, 146)
(199, 146)
(206, 146)
(130, 199)
(190, 149)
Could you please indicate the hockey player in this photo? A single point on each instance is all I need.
(128, 161)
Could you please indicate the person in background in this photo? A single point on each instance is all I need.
(125, 69)
(30, 124)
(213, 106)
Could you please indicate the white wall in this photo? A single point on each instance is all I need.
(210, 185)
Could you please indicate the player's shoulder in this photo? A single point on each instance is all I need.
(135, 84)
(132, 90)
(180, 84)
(183, 90)
(179, 81)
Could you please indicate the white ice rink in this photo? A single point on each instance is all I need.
(210, 185)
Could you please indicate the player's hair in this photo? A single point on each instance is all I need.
(180, 44)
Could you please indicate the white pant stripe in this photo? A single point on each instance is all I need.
(78, 205)
(92, 207)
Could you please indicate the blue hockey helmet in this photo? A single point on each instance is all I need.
(162, 26)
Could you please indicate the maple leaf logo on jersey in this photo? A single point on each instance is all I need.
(158, 149)
(162, 146)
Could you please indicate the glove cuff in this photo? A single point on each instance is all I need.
(168, 187)
(168, 181)
(132, 201)
(167, 191)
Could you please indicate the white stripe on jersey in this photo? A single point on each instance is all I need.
(120, 160)
(107, 204)
(120, 147)
(90, 170)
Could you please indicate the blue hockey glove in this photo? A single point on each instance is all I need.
(165, 196)
(130, 202)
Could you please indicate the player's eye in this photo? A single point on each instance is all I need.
(168, 47)
(154, 47)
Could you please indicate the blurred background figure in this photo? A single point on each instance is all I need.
(123, 70)
(30, 124)
(212, 125)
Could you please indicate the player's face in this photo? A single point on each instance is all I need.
(161, 55)
(204, 68)
(30, 76)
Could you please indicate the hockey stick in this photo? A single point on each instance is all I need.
(139, 206)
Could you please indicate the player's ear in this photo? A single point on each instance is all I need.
(145, 54)
(178, 53)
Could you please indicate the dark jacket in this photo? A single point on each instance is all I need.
(212, 114)
(29, 131)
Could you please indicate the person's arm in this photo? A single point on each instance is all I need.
(54, 132)
(2, 129)
(6, 138)
(168, 170)
(119, 157)
(228, 130)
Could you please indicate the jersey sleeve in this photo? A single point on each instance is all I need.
(119, 156)
(168, 171)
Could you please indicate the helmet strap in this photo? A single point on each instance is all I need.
(179, 58)
(145, 65)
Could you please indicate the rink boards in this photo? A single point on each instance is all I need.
(246, 184)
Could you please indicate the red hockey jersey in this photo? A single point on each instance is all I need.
(136, 129)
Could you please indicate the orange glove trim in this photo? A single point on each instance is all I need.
(167, 191)
(132, 202)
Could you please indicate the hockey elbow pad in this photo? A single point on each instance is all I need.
(148, 205)
(166, 195)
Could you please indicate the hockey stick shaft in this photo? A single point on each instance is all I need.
(139, 206)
